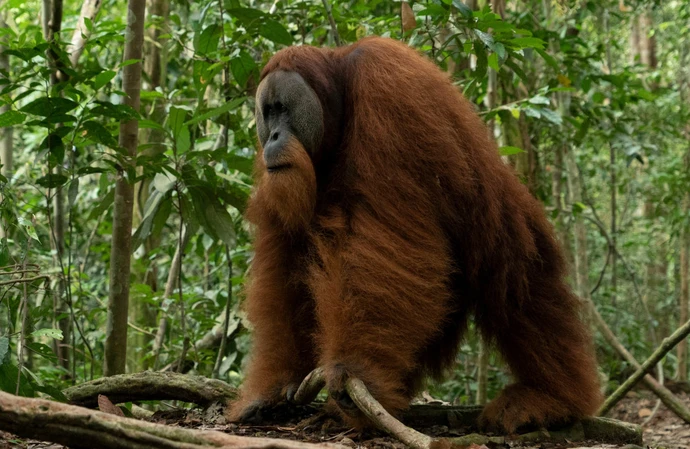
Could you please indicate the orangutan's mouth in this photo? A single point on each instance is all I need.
(277, 168)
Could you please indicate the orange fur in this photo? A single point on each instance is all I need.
(370, 259)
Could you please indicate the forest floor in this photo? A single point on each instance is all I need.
(662, 430)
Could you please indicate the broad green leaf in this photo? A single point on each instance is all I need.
(539, 99)
(487, 38)
(552, 116)
(463, 8)
(180, 131)
(213, 216)
(527, 42)
(243, 67)
(274, 31)
(10, 118)
(4, 348)
(28, 227)
(103, 205)
(493, 62)
(482, 60)
(163, 182)
(116, 111)
(52, 180)
(103, 78)
(44, 351)
(129, 62)
(56, 148)
(48, 332)
(508, 150)
(246, 15)
(207, 41)
(47, 106)
(99, 133)
(72, 192)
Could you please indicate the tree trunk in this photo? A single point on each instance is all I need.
(575, 193)
(6, 144)
(142, 313)
(89, 9)
(684, 290)
(52, 24)
(120, 253)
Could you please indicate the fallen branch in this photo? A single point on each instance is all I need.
(79, 427)
(150, 385)
(669, 343)
(664, 394)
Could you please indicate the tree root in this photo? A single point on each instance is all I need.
(603, 430)
(150, 385)
(79, 427)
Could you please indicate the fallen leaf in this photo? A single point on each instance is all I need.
(106, 406)
(644, 412)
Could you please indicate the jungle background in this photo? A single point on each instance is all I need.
(123, 259)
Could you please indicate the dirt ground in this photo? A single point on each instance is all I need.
(662, 429)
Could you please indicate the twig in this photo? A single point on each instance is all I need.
(25, 280)
(668, 344)
(603, 271)
(334, 28)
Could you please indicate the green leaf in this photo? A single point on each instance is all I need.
(48, 332)
(163, 182)
(44, 351)
(116, 111)
(180, 132)
(216, 111)
(52, 180)
(10, 118)
(539, 99)
(53, 143)
(508, 151)
(99, 133)
(493, 62)
(552, 116)
(527, 42)
(486, 38)
(51, 391)
(275, 32)
(28, 227)
(47, 106)
(72, 192)
(245, 15)
(548, 58)
(103, 78)
(482, 60)
(129, 62)
(242, 68)
(4, 348)
(510, 62)
(214, 218)
(463, 8)
(207, 41)
(500, 50)
(150, 210)
(103, 205)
